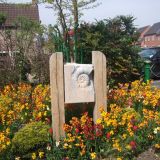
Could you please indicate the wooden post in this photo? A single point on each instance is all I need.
(100, 82)
(57, 94)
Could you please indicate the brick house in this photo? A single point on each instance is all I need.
(142, 32)
(12, 12)
(150, 37)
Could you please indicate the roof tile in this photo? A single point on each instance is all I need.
(154, 29)
(15, 10)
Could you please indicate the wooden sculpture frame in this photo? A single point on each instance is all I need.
(58, 89)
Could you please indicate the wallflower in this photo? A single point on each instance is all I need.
(135, 128)
(93, 155)
(124, 136)
(99, 120)
(119, 158)
(108, 135)
(65, 146)
(18, 103)
(41, 154)
(133, 144)
(33, 156)
(156, 130)
(82, 152)
(157, 146)
(51, 131)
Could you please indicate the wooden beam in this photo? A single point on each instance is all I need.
(100, 82)
(57, 94)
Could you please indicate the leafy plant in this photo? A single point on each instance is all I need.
(31, 137)
(116, 38)
(3, 18)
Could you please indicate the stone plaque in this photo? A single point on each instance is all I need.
(78, 80)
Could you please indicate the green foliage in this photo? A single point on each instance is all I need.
(26, 43)
(3, 18)
(31, 137)
(116, 38)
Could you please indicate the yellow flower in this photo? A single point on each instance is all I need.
(128, 147)
(93, 155)
(65, 146)
(124, 136)
(8, 142)
(103, 114)
(157, 146)
(41, 154)
(17, 158)
(119, 158)
(99, 121)
(82, 152)
(33, 155)
(111, 132)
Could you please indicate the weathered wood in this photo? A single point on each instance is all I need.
(104, 69)
(57, 94)
(99, 62)
(60, 80)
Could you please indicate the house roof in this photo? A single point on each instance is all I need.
(142, 29)
(13, 11)
(155, 29)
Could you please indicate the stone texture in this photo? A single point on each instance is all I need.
(78, 80)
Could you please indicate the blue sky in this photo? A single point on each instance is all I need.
(146, 12)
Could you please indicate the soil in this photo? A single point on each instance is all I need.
(148, 155)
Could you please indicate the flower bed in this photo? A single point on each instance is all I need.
(19, 105)
(130, 126)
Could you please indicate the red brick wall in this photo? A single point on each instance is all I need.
(151, 41)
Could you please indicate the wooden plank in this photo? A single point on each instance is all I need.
(99, 62)
(54, 96)
(60, 80)
(104, 68)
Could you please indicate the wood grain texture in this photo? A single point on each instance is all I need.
(99, 62)
(57, 94)
(60, 80)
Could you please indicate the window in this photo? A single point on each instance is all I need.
(145, 38)
(1, 64)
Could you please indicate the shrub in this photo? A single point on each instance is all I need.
(31, 137)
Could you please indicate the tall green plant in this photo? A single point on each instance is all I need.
(68, 15)
(116, 38)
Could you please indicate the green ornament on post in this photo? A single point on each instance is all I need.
(147, 66)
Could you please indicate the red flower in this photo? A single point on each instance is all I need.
(133, 144)
(98, 133)
(37, 118)
(135, 128)
(77, 130)
(71, 32)
(51, 131)
(48, 120)
(108, 135)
